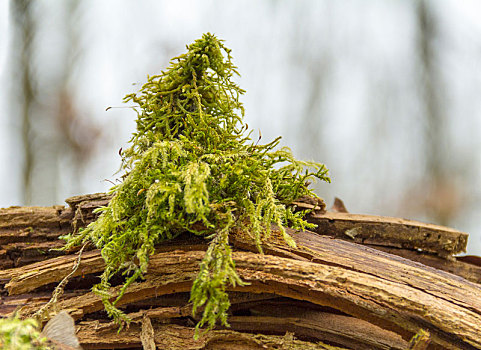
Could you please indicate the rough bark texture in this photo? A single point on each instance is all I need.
(386, 231)
(326, 292)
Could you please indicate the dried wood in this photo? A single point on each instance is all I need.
(28, 234)
(365, 283)
(391, 232)
(333, 290)
(30, 277)
(96, 335)
(147, 334)
(308, 324)
(458, 266)
(382, 230)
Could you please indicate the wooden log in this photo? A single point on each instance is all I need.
(366, 229)
(171, 336)
(391, 232)
(311, 324)
(28, 278)
(365, 283)
(367, 286)
(28, 233)
(458, 265)
(92, 200)
(83, 207)
(384, 231)
(32, 218)
(30, 246)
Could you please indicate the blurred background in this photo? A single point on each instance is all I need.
(386, 93)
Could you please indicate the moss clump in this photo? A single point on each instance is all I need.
(17, 334)
(193, 167)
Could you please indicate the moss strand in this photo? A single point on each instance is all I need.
(192, 167)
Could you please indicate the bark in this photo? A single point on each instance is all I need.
(328, 290)
(387, 231)
(172, 336)
(27, 234)
(392, 232)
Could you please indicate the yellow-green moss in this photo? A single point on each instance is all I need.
(17, 334)
(192, 167)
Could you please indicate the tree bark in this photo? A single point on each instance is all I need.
(327, 290)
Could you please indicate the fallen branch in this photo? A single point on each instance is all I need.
(312, 290)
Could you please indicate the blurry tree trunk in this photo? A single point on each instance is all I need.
(440, 193)
(434, 118)
(312, 117)
(24, 32)
(56, 139)
(76, 137)
(315, 63)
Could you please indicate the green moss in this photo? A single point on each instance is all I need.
(192, 167)
(17, 334)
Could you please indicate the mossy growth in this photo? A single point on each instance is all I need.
(18, 334)
(192, 167)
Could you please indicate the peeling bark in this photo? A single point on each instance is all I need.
(330, 290)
